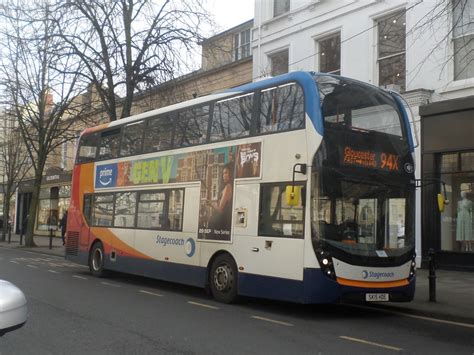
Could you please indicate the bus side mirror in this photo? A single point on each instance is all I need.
(293, 195)
(442, 202)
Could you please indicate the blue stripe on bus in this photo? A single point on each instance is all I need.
(315, 287)
(306, 80)
(406, 120)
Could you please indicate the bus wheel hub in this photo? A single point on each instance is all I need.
(223, 278)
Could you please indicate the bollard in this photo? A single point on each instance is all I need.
(9, 236)
(432, 274)
(21, 238)
(50, 238)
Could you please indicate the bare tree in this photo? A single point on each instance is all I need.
(13, 160)
(128, 46)
(41, 80)
(456, 17)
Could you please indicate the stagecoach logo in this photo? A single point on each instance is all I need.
(377, 275)
(106, 175)
(409, 168)
(190, 247)
(189, 244)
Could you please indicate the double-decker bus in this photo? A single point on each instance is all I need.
(298, 188)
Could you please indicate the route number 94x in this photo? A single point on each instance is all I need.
(389, 161)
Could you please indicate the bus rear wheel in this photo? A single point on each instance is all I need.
(97, 260)
(223, 279)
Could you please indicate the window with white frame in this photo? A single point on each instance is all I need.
(280, 7)
(463, 39)
(279, 62)
(329, 49)
(391, 50)
(242, 44)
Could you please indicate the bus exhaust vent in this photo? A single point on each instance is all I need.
(72, 243)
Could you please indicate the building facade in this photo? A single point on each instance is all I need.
(226, 63)
(423, 49)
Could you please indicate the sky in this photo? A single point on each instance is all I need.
(230, 13)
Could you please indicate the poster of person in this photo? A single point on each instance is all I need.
(224, 165)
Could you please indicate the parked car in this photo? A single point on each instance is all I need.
(13, 308)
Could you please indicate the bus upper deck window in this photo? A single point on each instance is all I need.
(109, 144)
(88, 148)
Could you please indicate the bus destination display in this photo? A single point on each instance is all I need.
(371, 159)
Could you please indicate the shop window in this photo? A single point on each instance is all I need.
(457, 228)
(391, 50)
(277, 218)
(463, 39)
(64, 200)
(47, 218)
(330, 54)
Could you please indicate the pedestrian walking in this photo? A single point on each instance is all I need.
(63, 225)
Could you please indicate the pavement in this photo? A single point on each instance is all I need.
(454, 289)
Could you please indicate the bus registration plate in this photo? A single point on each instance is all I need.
(376, 297)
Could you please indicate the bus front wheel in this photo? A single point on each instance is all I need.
(96, 260)
(223, 279)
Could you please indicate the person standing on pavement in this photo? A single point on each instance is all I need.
(63, 225)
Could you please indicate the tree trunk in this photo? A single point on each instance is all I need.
(29, 237)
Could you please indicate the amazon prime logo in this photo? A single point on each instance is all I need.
(106, 175)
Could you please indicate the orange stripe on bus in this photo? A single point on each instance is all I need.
(109, 238)
(366, 284)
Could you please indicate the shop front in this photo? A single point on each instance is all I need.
(448, 158)
(53, 202)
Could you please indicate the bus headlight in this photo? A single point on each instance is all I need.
(325, 261)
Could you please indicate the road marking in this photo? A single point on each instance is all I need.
(54, 272)
(109, 284)
(273, 321)
(150, 293)
(80, 277)
(14, 262)
(202, 305)
(371, 343)
(435, 320)
(32, 266)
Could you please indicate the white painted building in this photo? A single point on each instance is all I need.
(424, 49)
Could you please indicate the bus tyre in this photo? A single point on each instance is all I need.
(223, 279)
(96, 260)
